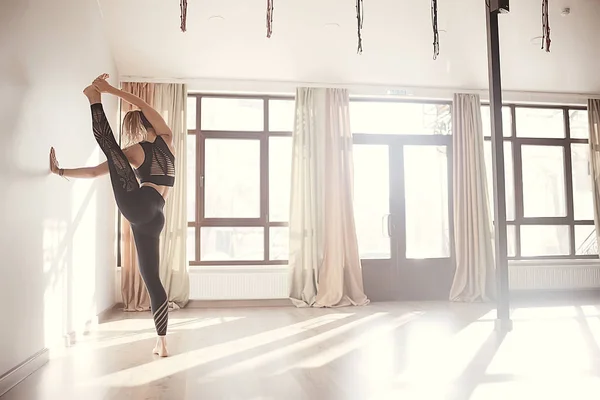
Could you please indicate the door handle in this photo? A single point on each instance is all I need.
(387, 225)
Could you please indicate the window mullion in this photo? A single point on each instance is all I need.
(264, 179)
(569, 182)
(518, 180)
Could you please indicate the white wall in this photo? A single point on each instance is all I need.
(56, 237)
(412, 93)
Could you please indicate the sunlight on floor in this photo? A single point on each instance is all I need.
(383, 352)
(546, 356)
(347, 345)
(145, 374)
(135, 330)
(306, 344)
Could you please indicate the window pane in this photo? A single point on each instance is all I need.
(578, 121)
(400, 118)
(372, 200)
(511, 240)
(191, 177)
(280, 177)
(231, 244)
(540, 123)
(487, 122)
(226, 114)
(544, 240)
(191, 244)
(583, 196)
(585, 240)
(509, 178)
(232, 182)
(426, 192)
(281, 115)
(279, 239)
(191, 112)
(543, 181)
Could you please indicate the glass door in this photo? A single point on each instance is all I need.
(425, 263)
(372, 201)
(373, 217)
(403, 217)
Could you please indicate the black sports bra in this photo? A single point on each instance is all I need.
(159, 163)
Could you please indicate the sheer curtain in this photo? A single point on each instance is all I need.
(594, 127)
(170, 100)
(474, 276)
(325, 265)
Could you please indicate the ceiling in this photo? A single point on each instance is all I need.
(397, 42)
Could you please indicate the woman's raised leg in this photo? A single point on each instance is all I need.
(121, 174)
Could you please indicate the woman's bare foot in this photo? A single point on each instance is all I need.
(161, 347)
(92, 94)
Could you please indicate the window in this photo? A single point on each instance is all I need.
(402, 179)
(426, 202)
(400, 118)
(239, 172)
(549, 203)
(372, 200)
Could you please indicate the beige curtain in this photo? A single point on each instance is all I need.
(473, 239)
(594, 126)
(325, 265)
(170, 100)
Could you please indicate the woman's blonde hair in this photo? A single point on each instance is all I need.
(135, 127)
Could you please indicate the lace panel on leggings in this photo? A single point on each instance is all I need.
(115, 156)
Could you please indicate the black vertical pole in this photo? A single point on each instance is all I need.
(503, 321)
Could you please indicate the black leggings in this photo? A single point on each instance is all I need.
(143, 208)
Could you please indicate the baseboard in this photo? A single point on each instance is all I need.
(106, 314)
(16, 375)
(239, 303)
(567, 296)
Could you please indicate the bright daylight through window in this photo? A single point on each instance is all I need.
(549, 203)
(239, 173)
(239, 169)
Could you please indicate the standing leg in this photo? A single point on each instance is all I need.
(147, 246)
(121, 174)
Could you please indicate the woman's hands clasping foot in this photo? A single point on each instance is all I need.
(101, 84)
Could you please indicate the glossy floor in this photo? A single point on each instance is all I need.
(383, 351)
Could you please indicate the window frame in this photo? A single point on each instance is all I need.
(263, 136)
(399, 141)
(566, 142)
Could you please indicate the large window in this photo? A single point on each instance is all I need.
(549, 203)
(239, 170)
(239, 173)
(402, 179)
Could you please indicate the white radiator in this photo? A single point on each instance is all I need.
(239, 283)
(271, 282)
(554, 275)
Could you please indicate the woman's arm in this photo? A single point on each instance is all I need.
(86, 172)
(158, 123)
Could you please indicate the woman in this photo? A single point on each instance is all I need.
(141, 203)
